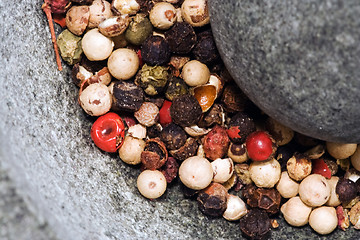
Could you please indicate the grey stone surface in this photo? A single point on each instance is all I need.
(45, 147)
(298, 60)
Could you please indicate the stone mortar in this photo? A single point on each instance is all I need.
(45, 144)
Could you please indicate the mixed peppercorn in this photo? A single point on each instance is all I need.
(151, 73)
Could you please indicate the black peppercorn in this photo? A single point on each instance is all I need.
(346, 190)
(173, 136)
(127, 96)
(212, 200)
(255, 224)
(240, 126)
(175, 88)
(189, 149)
(205, 49)
(185, 110)
(357, 184)
(216, 115)
(154, 130)
(284, 153)
(155, 51)
(267, 199)
(181, 38)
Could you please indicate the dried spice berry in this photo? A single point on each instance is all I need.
(175, 88)
(346, 190)
(212, 200)
(264, 198)
(205, 49)
(189, 149)
(152, 79)
(139, 29)
(154, 155)
(164, 113)
(255, 224)
(284, 153)
(173, 136)
(155, 51)
(216, 115)
(234, 99)
(170, 169)
(181, 38)
(216, 143)
(240, 126)
(260, 146)
(154, 131)
(185, 110)
(127, 96)
(70, 47)
(148, 114)
(299, 166)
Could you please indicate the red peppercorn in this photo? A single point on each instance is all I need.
(320, 167)
(164, 113)
(260, 146)
(108, 132)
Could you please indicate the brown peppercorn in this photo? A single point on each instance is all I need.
(216, 143)
(216, 115)
(299, 166)
(243, 173)
(255, 224)
(155, 51)
(127, 96)
(240, 126)
(205, 49)
(234, 99)
(185, 110)
(154, 130)
(175, 88)
(181, 38)
(154, 155)
(346, 190)
(189, 149)
(173, 136)
(176, 63)
(264, 198)
(212, 200)
(170, 169)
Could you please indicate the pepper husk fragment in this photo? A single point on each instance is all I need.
(154, 155)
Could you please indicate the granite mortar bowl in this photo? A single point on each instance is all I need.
(45, 144)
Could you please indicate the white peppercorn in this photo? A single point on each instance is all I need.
(287, 187)
(195, 73)
(96, 46)
(223, 169)
(123, 63)
(355, 158)
(100, 10)
(333, 199)
(95, 99)
(151, 184)
(235, 208)
(125, 6)
(163, 15)
(148, 114)
(296, 213)
(130, 151)
(77, 19)
(323, 220)
(196, 172)
(265, 173)
(299, 166)
(314, 190)
(341, 150)
(195, 12)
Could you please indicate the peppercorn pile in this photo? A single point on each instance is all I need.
(149, 71)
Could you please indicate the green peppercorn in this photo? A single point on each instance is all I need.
(152, 79)
(139, 29)
(69, 47)
(175, 88)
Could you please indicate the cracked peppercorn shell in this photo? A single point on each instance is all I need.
(173, 136)
(333, 199)
(95, 99)
(323, 220)
(296, 212)
(314, 190)
(196, 172)
(267, 199)
(181, 38)
(154, 155)
(155, 51)
(299, 167)
(205, 49)
(189, 149)
(233, 99)
(212, 201)
(255, 224)
(185, 110)
(265, 173)
(162, 15)
(148, 114)
(223, 169)
(195, 73)
(151, 184)
(346, 190)
(235, 208)
(127, 96)
(216, 143)
(130, 151)
(240, 127)
(100, 10)
(341, 150)
(77, 19)
(216, 115)
(286, 186)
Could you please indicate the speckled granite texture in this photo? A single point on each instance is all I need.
(45, 146)
(297, 60)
